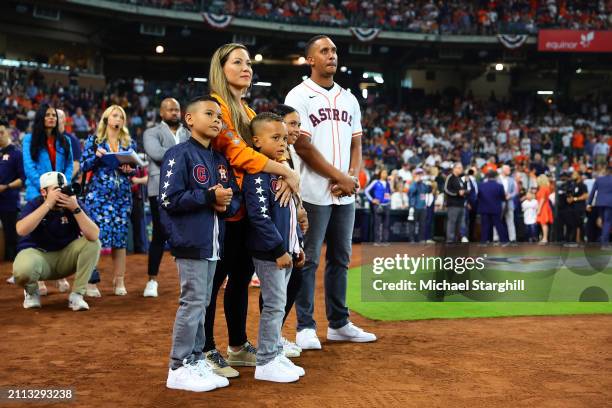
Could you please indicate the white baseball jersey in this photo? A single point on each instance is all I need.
(331, 119)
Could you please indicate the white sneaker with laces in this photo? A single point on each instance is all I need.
(307, 339)
(31, 301)
(290, 349)
(76, 302)
(275, 371)
(289, 364)
(464, 239)
(150, 289)
(188, 378)
(62, 285)
(42, 289)
(206, 371)
(350, 332)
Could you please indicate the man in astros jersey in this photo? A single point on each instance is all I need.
(330, 148)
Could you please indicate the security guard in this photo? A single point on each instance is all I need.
(577, 195)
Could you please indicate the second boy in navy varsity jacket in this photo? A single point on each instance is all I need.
(273, 229)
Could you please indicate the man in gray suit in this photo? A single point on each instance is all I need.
(157, 140)
(511, 190)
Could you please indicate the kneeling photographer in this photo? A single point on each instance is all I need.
(51, 246)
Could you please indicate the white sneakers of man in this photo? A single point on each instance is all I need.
(276, 371)
(351, 333)
(76, 302)
(150, 289)
(290, 349)
(31, 301)
(196, 377)
(464, 239)
(307, 339)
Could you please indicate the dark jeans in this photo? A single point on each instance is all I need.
(158, 240)
(237, 264)
(532, 232)
(380, 221)
(293, 287)
(419, 224)
(9, 220)
(334, 224)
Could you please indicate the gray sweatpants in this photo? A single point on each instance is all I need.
(454, 223)
(196, 279)
(273, 283)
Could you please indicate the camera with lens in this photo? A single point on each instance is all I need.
(69, 190)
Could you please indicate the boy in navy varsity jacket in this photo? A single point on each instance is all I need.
(197, 190)
(275, 243)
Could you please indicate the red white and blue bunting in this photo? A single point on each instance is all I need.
(512, 41)
(365, 34)
(217, 20)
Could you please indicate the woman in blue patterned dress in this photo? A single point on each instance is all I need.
(109, 196)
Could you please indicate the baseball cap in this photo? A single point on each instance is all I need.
(51, 179)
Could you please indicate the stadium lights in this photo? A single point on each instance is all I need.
(546, 92)
(159, 49)
(499, 67)
(379, 79)
(578, 70)
(258, 57)
(301, 61)
(366, 75)
(262, 84)
(364, 93)
(343, 69)
(200, 79)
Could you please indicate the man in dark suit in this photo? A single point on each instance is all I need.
(491, 196)
(157, 140)
(601, 196)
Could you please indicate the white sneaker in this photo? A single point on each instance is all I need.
(42, 288)
(92, 290)
(76, 302)
(31, 301)
(11, 280)
(62, 285)
(307, 339)
(150, 289)
(290, 349)
(206, 371)
(275, 371)
(289, 364)
(188, 378)
(464, 239)
(350, 332)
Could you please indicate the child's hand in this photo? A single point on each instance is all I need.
(284, 261)
(300, 260)
(219, 208)
(302, 217)
(223, 196)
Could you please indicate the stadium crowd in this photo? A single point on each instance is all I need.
(483, 17)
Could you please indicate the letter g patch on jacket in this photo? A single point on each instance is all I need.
(200, 174)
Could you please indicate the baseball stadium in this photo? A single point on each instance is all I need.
(310, 203)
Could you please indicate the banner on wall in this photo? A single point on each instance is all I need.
(574, 41)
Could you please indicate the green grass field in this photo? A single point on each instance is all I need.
(440, 310)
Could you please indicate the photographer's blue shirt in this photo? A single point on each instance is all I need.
(55, 232)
